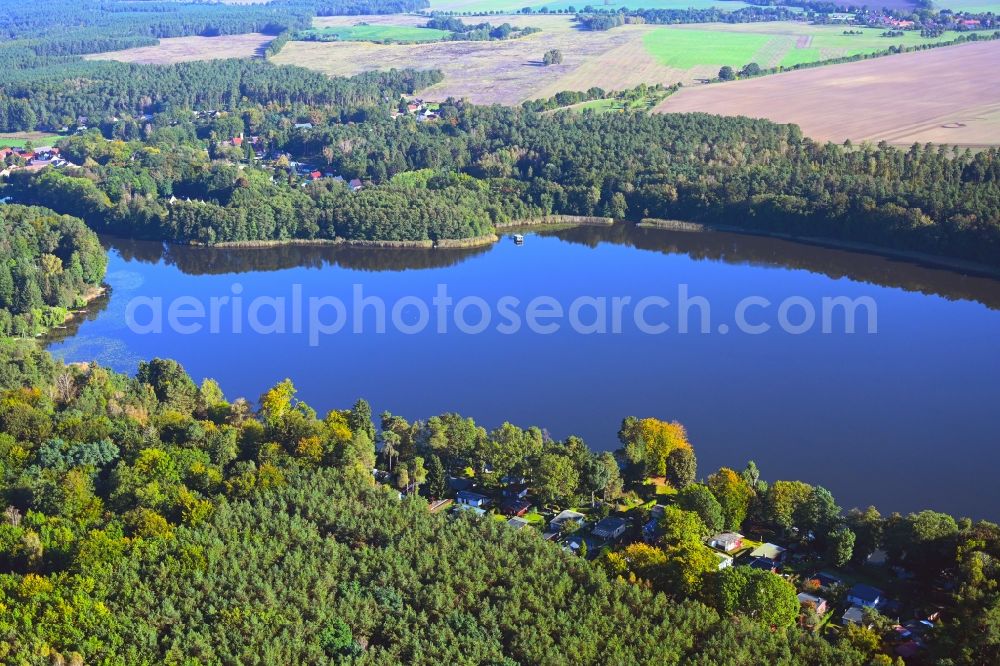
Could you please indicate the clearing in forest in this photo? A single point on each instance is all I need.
(185, 49)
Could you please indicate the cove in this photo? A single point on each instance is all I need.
(903, 418)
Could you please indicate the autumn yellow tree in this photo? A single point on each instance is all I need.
(733, 493)
(650, 441)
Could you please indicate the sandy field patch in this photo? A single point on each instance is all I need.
(940, 95)
(185, 49)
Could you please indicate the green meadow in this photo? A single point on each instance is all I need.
(770, 45)
(20, 139)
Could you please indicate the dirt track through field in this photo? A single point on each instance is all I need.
(945, 95)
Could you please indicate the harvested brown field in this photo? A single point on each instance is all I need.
(507, 72)
(185, 49)
(941, 95)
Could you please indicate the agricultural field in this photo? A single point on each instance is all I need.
(504, 72)
(185, 49)
(704, 49)
(483, 6)
(979, 6)
(872, 100)
(372, 33)
(510, 72)
(20, 139)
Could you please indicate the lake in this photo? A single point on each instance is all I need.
(904, 418)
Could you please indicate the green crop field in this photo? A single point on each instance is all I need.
(684, 49)
(19, 139)
(373, 33)
(769, 45)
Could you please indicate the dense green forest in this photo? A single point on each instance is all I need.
(731, 171)
(40, 97)
(53, 19)
(48, 264)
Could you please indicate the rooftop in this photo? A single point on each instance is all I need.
(611, 523)
(865, 593)
(768, 550)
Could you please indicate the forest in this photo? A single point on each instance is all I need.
(149, 519)
(507, 163)
(50, 263)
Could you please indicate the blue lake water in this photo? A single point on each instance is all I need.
(905, 418)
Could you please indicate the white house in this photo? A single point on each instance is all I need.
(725, 561)
(727, 541)
(469, 498)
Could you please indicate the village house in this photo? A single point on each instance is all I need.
(469, 498)
(610, 528)
(764, 564)
(769, 551)
(824, 580)
(565, 519)
(457, 483)
(515, 507)
(864, 595)
(724, 561)
(818, 604)
(853, 615)
(726, 541)
(465, 508)
(518, 523)
(516, 491)
(574, 543)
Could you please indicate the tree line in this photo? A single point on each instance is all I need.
(733, 171)
(598, 19)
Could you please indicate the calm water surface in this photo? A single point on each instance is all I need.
(904, 419)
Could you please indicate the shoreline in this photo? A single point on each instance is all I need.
(557, 220)
(97, 293)
(568, 221)
(443, 244)
(964, 266)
